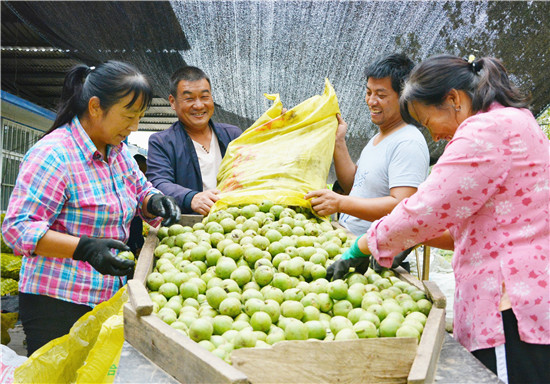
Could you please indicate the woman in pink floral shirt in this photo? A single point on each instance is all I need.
(490, 192)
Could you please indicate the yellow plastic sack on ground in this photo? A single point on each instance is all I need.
(88, 354)
(281, 157)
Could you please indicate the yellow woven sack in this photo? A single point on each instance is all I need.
(89, 353)
(281, 157)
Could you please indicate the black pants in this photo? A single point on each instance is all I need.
(526, 363)
(45, 318)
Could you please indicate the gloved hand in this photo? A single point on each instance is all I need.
(353, 257)
(164, 206)
(97, 252)
(397, 260)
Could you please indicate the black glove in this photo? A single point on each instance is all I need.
(353, 257)
(397, 260)
(97, 252)
(340, 268)
(164, 206)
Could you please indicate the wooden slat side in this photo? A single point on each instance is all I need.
(408, 278)
(313, 361)
(175, 353)
(145, 261)
(139, 298)
(427, 355)
(190, 220)
(435, 295)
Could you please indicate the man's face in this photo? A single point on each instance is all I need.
(383, 102)
(193, 103)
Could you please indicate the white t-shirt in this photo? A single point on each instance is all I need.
(209, 162)
(400, 160)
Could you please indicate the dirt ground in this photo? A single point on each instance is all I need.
(17, 342)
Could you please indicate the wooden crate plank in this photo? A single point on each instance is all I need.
(435, 295)
(190, 220)
(314, 361)
(144, 264)
(139, 298)
(427, 355)
(407, 277)
(174, 352)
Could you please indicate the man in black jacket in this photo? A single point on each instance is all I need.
(183, 160)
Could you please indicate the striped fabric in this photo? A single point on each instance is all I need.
(65, 185)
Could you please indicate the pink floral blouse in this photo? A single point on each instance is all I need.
(490, 189)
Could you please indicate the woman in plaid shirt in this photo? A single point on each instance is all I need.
(76, 193)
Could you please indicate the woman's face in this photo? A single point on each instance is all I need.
(441, 120)
(115, 125)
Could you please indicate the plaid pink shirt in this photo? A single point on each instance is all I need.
(65, 185)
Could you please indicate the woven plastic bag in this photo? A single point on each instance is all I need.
(281, 157)
(89, 353)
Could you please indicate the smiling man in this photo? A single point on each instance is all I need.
(183, 160)
(392, 164)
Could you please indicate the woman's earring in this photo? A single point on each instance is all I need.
(458, 108)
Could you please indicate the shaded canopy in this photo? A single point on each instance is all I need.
(288, 47)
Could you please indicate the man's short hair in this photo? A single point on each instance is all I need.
(396, 66)
(187, 73)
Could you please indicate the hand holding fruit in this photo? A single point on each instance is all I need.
(97, 252)
(353, 257)
(324, 201)
(164, 206)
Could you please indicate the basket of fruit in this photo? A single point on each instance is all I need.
(241, 296)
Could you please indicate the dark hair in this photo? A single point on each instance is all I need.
(484, 80)
(110, 82)
(396, 66)
(187, 73)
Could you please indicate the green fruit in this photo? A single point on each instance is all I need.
(234, 251)
(154, 281)
(293, 309)
(201, 329)
(168, 290)
(337, 289)
(263, 275)
(365, 329)
(275, 248)
(408, 331)
(311, 313)
(337, 323)
(251, 306)
(265, 206)
(316, 330)
(230, 306)
(215, 296)
(355, 314)
(342, 308)
(388, 327)
(419, 316)
(126, 255)
(276, 210)
(225, 266)
(346, 334)
(424, 306)
(260, 321)
(296, 330)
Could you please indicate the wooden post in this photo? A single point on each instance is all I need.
(426, 264)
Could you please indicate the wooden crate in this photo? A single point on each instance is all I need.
(382, 360)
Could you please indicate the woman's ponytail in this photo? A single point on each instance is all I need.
(71, 104)
(109, 82)
(495, 85)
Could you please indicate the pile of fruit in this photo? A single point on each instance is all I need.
(255, 275)
(10, 265)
